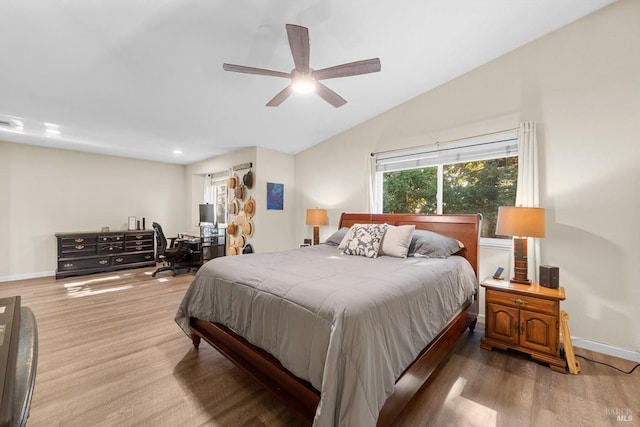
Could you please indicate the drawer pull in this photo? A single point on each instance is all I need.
(79, 247)
(138, 248)
(68, 265)
(119, 259)
(147, 257)
(139, 236)
(79, 240)
(522, 328)
(519, 301)
(103, 261)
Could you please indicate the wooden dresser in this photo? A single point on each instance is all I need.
(524, 318)
(92, 252)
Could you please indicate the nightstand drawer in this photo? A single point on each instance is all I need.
(522, 301)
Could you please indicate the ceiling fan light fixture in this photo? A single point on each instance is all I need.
(304, 86)
(304, 79)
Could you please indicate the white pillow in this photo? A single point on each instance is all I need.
(396, 241)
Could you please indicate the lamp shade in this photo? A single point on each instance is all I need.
(520, 221)
(317, 217)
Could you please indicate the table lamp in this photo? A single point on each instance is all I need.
(521, 223)
(317, 217)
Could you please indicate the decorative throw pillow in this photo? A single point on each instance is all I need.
(433, 245)
(363, 240)
(336, 238)
(396, 240)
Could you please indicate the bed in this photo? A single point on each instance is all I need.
(341, 340)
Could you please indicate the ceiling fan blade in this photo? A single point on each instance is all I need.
(299, 43)
(330, 96)
(252, 70)
(351, 69)
(280, 97)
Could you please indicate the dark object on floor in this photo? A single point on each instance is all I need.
(18, 361)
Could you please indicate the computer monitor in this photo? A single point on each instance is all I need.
(206, 214)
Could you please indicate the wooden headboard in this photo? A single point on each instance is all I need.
(465, 228)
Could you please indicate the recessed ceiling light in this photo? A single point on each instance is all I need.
(12, 124)
(17, 123)
(51, 129)
(177, 152)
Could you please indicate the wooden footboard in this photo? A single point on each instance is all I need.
(298, 394)
(295, 393)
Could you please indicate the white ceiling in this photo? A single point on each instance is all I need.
(142, 78)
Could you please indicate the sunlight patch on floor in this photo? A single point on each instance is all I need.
(468, 412)
(85, 288)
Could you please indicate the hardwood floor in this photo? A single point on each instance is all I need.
(111, 354)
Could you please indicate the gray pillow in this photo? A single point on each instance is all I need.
(336, 238)
(433, 245)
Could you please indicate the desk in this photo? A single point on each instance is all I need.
(204, 248)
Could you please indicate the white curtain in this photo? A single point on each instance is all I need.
(208, 195)
(373, 203)
(528, 192)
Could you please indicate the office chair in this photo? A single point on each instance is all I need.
(171, 254)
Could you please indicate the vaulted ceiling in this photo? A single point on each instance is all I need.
(142, 79)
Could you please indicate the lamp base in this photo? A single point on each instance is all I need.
(520, 261)
(316, 234)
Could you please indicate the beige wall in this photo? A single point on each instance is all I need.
(581, 84)
(44, 191)
(273, 229)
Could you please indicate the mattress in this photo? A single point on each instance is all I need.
(349, 325)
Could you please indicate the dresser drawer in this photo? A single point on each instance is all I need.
(139, 245)
(75, 240)
(78, 249)
(111, 238)
(110, 248)
(140, 236)
(522, 301)
(133, 258)
(80, 264)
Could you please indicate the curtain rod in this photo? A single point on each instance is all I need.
(444, 142)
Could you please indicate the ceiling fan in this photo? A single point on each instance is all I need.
(304, 79)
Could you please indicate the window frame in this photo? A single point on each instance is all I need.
(216, 180)
(486, 147)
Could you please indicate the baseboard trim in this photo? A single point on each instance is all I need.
(27, 276)
(599, 347)
(622, 353)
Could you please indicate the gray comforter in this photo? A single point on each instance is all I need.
(349, 325)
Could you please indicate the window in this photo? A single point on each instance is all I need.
(469, 176)
(215, 192)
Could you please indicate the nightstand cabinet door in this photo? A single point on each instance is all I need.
(502, 323)
(539, 332)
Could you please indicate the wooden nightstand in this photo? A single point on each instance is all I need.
(524, 318)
